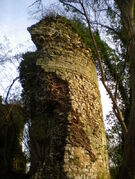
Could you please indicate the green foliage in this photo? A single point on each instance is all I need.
(113, 64)
(11, 130)
(79, 27)
(115, 145)
(114, 172)
(28, 74)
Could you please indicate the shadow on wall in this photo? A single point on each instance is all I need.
(48, 105)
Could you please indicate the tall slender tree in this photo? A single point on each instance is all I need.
(127, 9)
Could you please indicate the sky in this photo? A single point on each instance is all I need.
(15, 17)
(14, 20)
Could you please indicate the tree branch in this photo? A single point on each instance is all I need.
(119, 113)
(70, 5)
(35, 2)
(10, 88)
(106, 26)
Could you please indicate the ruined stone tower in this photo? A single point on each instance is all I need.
(67, 135)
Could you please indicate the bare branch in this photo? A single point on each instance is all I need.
(106, 26)
(10, 88)
(35, 2)
(70, 5)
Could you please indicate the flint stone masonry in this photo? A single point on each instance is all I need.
(75, 146)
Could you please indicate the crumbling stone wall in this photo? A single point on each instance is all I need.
(63, 102)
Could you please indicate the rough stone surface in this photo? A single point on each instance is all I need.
(73, 142)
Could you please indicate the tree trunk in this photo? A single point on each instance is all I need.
(128, 170)
(127, 9)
